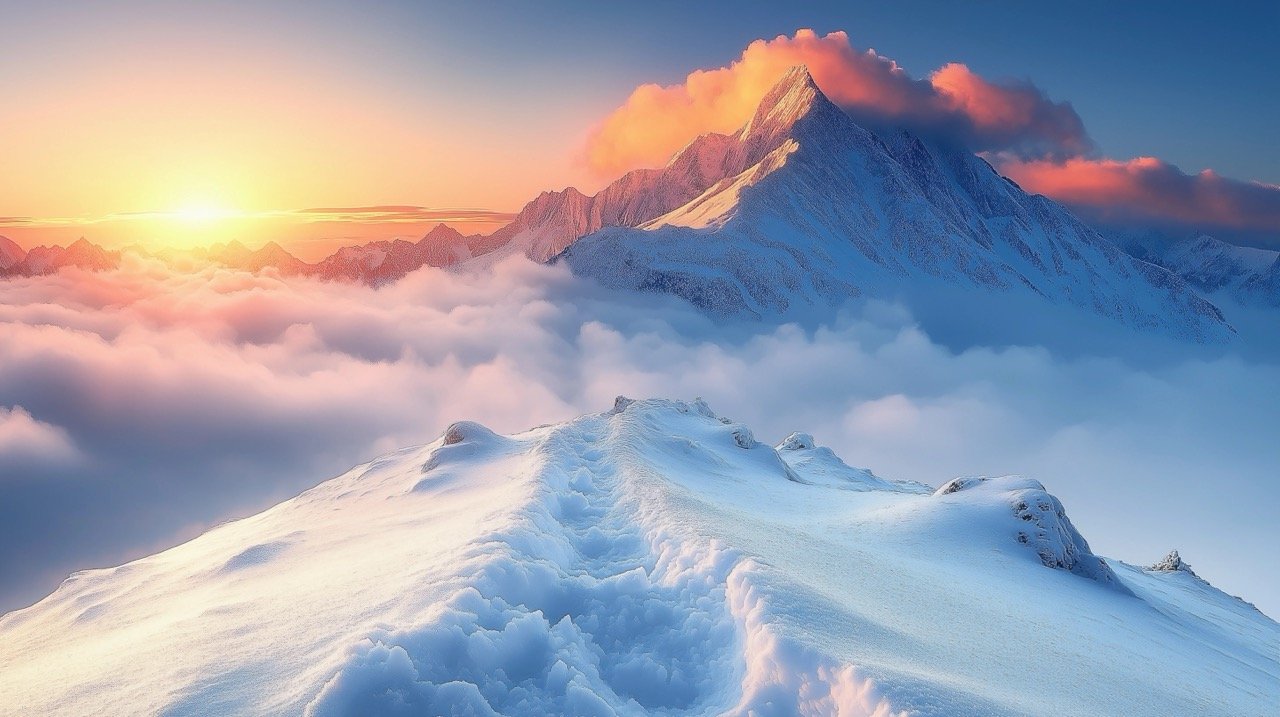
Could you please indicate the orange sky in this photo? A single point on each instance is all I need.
(123, 131)
(310, 234)
(181, 125)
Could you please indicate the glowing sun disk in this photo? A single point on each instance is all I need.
(201, 213)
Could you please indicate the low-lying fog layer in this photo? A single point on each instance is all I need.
(140, 406)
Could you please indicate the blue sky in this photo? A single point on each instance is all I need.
(1192, 83)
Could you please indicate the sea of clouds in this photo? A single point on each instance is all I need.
(139, 407)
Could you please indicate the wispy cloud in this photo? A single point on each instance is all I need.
(1148, 190)
(392, 214)
(380, 214)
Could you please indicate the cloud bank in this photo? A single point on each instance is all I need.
(26, 443)
(1148, 190)
(191, 398)
(954, 102)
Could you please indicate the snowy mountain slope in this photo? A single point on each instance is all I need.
(1247, 275)
(554, 220)
(823, 210)
(374, 263)
(382, 262)
(10, 253)
(1213, 265)
(653, 559)
(49, 259)
(1264, 287)
(818, 465)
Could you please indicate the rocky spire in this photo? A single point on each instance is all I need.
(1171, 563)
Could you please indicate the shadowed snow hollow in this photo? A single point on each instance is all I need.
(652, 559)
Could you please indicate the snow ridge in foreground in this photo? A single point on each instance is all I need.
(654, 559)
(588, 607)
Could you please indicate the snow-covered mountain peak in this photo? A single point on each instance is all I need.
(794, 97)
(813, 210)
(1247, 276)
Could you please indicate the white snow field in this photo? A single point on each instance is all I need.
(653, 559)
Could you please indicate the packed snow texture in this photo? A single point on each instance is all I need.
(652, 559)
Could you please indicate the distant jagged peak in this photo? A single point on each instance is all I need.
(1172, 563)
(234, 249)
(10, 252)
(273, 247)
(82, 245)
(440, 233)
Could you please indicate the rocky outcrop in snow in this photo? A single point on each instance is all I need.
(1042, 525)
(1172, 563)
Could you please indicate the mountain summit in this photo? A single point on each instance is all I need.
(812, 209)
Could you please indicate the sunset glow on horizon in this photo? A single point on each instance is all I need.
(166, 134)
(310, 234)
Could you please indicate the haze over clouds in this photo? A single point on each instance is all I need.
(311, 233)
(166, 402)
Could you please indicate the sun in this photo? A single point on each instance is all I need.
(201, 213)
(190, 223)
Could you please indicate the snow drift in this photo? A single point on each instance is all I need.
(652, 559)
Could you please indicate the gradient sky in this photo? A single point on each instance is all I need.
(246, 107)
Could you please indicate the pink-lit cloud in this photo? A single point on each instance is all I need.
(655, 121)
(26, 442)
(1147, 189)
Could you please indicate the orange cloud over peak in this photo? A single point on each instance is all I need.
(656, 121)
(1147, 188)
